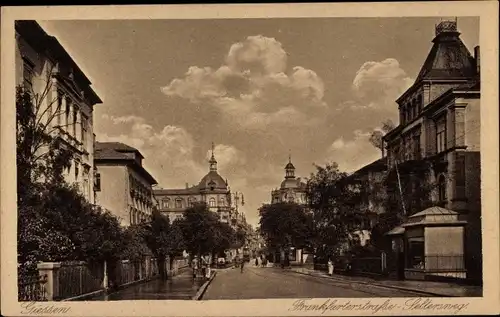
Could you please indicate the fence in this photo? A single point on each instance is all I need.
(372, 265)
(76, 280)
(32, 288)
(79, 278)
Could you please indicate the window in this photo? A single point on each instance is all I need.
(419, 104)
(416, 147)
(442, 188)
(211, 202)
(97, 182)
(441, 134)
(178, 203)
(166, 203)
(416, 253)
(84, 132)
(28, 74)
(222, 202)
(59, 108)
(67, 113)
(75, 114)
(76, 171)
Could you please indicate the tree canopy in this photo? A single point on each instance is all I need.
(284, 225)
(333, 198)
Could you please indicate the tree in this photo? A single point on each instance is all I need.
(284, 225)
(377, 135)
(333, 198)
(156, 235)
(197, 228)
(224, 238)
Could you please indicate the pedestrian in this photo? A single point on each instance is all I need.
(257, 262)
(195, 266)
(242, 264)
(330, 267)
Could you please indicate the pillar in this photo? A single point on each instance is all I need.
(105, 282)
(51, 270)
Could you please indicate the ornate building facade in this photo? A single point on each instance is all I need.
(123, 185)
(292, 188)
(63, 95)
(435, 154)
(213, 190)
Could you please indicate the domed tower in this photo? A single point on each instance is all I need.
(289, 169)
(213, 161)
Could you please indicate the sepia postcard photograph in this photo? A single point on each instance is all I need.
(250, 160)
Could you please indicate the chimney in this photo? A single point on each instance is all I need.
(187, 185)
(477, 59)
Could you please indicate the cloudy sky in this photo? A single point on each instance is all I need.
(257, 88)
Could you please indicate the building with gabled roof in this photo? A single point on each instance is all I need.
(123, 185)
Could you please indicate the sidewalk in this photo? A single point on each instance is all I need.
(181, 286)
(424, 287)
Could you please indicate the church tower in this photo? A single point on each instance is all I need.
(213, 161)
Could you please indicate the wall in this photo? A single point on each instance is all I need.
(114, 191)
(474, 244)
(472, 124)
(434, 237)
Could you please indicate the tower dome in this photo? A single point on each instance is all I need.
(212, 180)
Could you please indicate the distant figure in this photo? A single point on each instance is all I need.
(256, 261)
(330, 267)
(195, 266)
(242, 264)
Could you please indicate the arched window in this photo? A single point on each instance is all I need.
(191, 201)
(211, 202)
(442, 188)
(222, 203)
(178, 203)
(165, 203)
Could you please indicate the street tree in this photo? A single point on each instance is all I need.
(156, 234)
(333, 199)
(285, 225)
(198, 225)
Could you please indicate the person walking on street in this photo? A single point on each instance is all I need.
(195, 266)
(330, 267)
(242, 264)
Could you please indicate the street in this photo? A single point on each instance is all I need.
(260, 283)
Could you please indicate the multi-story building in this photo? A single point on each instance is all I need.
(434, 155)
(371, 179)
(292, 188)
(213, 190)
(123, 185)
(63, 96)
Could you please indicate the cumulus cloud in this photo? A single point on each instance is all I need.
(354, 152)
(254, 87)
(379, 84)
(227, 156)
(169, 152)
